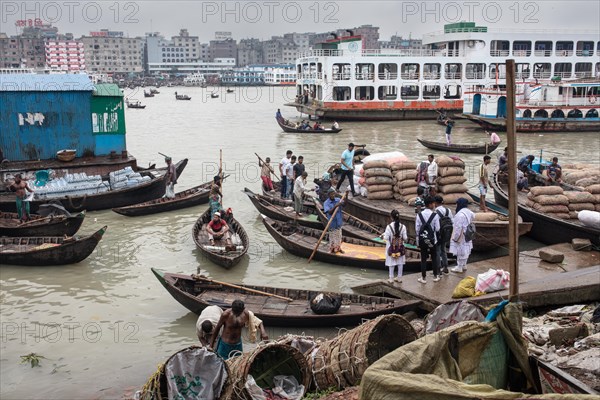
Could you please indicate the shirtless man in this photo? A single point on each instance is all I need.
(232, 321)
(20, 188)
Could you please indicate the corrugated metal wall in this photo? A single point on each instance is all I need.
(35, 125)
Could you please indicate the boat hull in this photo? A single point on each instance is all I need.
(538, 125)
(57, 226)
(378, 111)
(459, 148)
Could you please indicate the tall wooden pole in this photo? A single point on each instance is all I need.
(513, 211)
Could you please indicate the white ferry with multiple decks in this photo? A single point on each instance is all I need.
(280, 75)
(341, 80)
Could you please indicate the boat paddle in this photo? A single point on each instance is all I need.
(326, 228)
(221, 173)
(270, 169)
(231, 285)
(35, 220)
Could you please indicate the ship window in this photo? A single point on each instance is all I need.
(432, 71)
(431, 91)
(340, 71)
(452, 91)
(575, 114)
(523, 71)
(453, 71)
(540, 114)
(527, 114)
(499, 48)
(364, 72)
(387, 93)
(557, 114)
(341, 93)
(543, 49)
(583, 70)
(498, 71)
(388, 71)
(521, 48)
(585, 49)
(409, 92)
(542, 70)
(320, 93)
(563, 70)
(409, 71)
(364, 93)
(564, 49)
(591, 114)
(475, 71)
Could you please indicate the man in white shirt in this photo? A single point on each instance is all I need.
(289, 173)
(299, 187)
(432, 172)
(428, 221)
(282, 167)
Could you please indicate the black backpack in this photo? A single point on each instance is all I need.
(426, 233)
(445, 227)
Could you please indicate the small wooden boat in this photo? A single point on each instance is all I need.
(230, 90)
(66, 155)
(44, 251)
(291, 129)
(219, 254)
(546, 229)
(276, 194)
(188, 198)
(551, 379)
(301, 241)
(182, 97)
(214, 95)
(10, 225)
(154, 91)
(197, 294)
(460, 148)
(135, 104)
(148, 94)
(283, 210)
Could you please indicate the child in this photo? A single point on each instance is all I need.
(265, 173)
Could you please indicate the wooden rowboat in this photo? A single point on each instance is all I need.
(44, 251)
(196, 295)
(10, 225)
(290, 129)
(283, 210)
(218, 253)
(460, 148)
(188, 198)
(301, 241)
(546, 228)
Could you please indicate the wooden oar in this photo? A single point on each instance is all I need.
(35, 220)
(270, 169)
(326, 228)
(221, 172)
(231, 285)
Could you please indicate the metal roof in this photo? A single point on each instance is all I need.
(45, 83)
(107, 89)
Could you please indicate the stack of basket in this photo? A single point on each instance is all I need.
(405, 185)
(378, 180)
(451, 179)
(595, 191)
(549, 200)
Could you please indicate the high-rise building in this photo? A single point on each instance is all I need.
(223, 48)
(398, 42)
(65, 55)
(110, 52)
(279, 50)
(369, 33)
(249, 51)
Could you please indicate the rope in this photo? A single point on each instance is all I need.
(151, 388)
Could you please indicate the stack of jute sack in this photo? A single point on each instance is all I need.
(579, 201)
(595, 191)
(582, 175)
(451, 179)
(549, 200)
(405, 184)
(378, 180)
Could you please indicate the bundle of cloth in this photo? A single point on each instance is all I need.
(451, 179)
(405, 185)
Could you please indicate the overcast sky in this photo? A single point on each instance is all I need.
(262, 19)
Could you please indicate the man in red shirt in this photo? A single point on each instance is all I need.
(218, 229)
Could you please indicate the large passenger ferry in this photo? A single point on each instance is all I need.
(339, 79)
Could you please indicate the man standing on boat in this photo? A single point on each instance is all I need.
(278, 115)
(432, 173)
(299, 167)
(171, 178)
(232, 321)
(347, 168)
(449, 126)
(20, 187)
(289, 173)
(282, 166)
(494, 138)
(484, 181)
(299, 188)
(335, 228)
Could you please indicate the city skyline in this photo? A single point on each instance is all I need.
(263, 20)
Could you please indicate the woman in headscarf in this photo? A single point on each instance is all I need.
(395, 234)
(459, 246)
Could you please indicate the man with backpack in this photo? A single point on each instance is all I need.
(427, 226)
(463, 231)
(445, 216)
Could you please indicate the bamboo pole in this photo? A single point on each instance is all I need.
(231, 285)
(326, 228)
(221, 172)
(513, 211)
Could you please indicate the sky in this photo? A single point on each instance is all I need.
(263, 19)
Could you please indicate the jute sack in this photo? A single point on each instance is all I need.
(578, 197)
(544, 190)
(593, 189)
(561, 215)
(408, 184)
(398, 196)
(380, 195)
(446, 161)
(408, 192)
(486, 216)
(411, 201)
(377, 172)
(597, 197)
(550, 208)
(406, 175)
(405, 165)
(379, 188)
(573, 215)
(451, 180)
(573, 177)
(452, 197)
(376, 164)
(446, 189)
(585, 182)
(546, 200)
(451, 171)
(582, 206)
(379, 180)
(597, 207)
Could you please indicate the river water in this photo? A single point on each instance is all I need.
(105, 324)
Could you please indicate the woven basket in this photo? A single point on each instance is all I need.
(66, 155)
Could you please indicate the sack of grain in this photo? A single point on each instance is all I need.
(551, 209)
(451, 198)
(409, 184)
(573, 214)
(451, 180)
(578, 197)
(454, 189)
(585, 182)
(450, 161)
(451, 171)
(404, 165)
(411, 201)
(544, 190)
(398, 196)
(593, 189)
(582, 206)
(547, 200)
(406, 175)
(369, 172)
(380, 195)
(379, 188)
(376, 164)
(573, 177)
(561, 215)
(597, 207)
(408, 193)
(380, 180)
(597, 199)
(486, 216)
